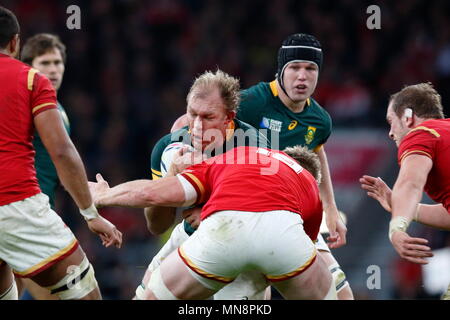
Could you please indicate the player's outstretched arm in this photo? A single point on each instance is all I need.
(139, 193)
(435, 215)
(335, 225)
(71, 173)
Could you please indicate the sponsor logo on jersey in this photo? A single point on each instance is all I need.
(271, 124)
(293, 124)
(309, 137)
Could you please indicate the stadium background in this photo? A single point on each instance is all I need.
(130, 66)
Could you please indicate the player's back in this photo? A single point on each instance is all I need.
(23, 94)
(259, 179)
(438, 184)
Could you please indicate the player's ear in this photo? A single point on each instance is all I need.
(14, 46)
(230, 116)
(409, 116)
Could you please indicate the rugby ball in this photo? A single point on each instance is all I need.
(168, 155)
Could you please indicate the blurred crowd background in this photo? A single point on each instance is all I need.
(132, 62)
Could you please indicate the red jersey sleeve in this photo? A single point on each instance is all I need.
(43, 95)
(420, 140)
(197, 177)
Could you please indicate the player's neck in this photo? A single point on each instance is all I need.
(296, 107)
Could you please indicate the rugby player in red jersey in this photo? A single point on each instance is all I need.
(237, 230)
(422, 134)
(34, 241)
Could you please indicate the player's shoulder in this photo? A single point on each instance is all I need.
(319, 112)
(256, 93)
(180, 135)
(429, 129)
(317, 108)
(239, 124)
(25, 72)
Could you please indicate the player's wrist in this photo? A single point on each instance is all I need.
(90, 213)
(398, 223)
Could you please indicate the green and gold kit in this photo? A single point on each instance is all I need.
(262, 108)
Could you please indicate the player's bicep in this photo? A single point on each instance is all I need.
(414, 170)
(190, 194)
(51, 130)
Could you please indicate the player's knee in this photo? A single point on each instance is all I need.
(77, 284)
(11, 293)
(156, 286)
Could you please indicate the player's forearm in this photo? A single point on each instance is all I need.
(405, 199)
(326, 186)
(159, 219)
(143, 193)
(135, 194)
(72, 174)
(435, 216)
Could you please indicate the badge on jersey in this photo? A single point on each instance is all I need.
(271, 124)
(309, 137)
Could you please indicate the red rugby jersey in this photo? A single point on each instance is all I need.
(23, 94)
(432, 139)
(264, 183)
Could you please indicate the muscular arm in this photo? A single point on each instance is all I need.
(435, 216)
(406, 195)
(159, 219)
(408, 188)
(143, 193)
(334, 222)
(65, 157)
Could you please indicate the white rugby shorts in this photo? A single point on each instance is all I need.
(230, 242)
(32, 236)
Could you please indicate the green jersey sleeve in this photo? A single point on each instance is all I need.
(155, 162)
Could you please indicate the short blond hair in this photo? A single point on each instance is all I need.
(228, 86)
(307, 159)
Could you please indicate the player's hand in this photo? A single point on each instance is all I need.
(107, 232)
(192, 216)
(377, 189)
(336, 228)
(412, 249)
(183, 159)
(97, 188)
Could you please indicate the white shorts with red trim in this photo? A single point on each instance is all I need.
(321, 244)
(230, 242)
(32, 236)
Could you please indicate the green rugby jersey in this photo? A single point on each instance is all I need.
(45, 169)
(242, 135)
(262, 108)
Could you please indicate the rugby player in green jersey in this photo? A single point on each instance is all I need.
(285, 107)
(211, 108)
(46, 53)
